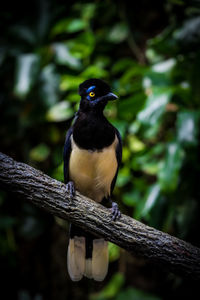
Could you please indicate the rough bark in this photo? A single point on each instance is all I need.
(137, 238)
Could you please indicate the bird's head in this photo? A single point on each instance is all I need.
(95, 93)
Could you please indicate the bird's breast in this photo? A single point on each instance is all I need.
(93, 171)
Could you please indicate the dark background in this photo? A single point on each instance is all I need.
(149, 52)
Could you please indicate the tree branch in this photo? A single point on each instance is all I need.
(135, 237)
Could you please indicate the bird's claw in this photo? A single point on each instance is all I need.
(70, 189)
(116, 214)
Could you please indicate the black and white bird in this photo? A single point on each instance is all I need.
(92, 155)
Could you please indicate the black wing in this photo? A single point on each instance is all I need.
(119, 158)
(66, 154)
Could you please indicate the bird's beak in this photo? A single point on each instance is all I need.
(109, 97)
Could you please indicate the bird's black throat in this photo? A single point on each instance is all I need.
(92, 131)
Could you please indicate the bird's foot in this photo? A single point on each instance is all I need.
(70, 189)
(116, 214)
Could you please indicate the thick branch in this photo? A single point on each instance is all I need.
(137, 238)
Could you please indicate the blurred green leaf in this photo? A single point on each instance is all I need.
(40, 153)
(129, 107)
(135, 145)
(123, 64)
(123, 176)
(49, 91)
(27, 67)
(88, 10)
(59, 112)
(121, 126)
(114, 252)
(154, 107)
(64, 57)
(117, 33)
(187, 127)
(76, 25)
(135, 294)
(168, 175)
(150, 199)
(111, 289)
(164, 66)
(149, 161)
(58, 173)
(70, 82)
(153, 56)
(189, 34)
(68, 25)
(94, 71)
(82, 47)
(131, 198)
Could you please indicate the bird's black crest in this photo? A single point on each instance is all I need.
(100, 84)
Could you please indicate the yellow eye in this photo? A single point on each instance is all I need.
(91, 94)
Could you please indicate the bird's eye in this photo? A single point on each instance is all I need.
(92, 94)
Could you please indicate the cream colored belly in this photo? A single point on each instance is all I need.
(93, 172)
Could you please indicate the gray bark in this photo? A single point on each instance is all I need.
(137, 238)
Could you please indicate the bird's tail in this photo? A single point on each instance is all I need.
(87, 255)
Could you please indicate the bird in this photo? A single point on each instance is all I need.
(92, 156)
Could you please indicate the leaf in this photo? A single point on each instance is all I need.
(111, 289)
(59, 112)
(70, 82)
(135, 145)
(40, 153)
(128, 108)
(76, 25)
(164, 66)
(27, 67)
(151, 199)
(168, 175)
(121, 126)
(131, 198)
(123, 176)
(64, 57)
(160, 73)
(88, 10)
(122, 65)
(94, 71)
(68, 25)
(135, 294)
(154, 107)
(114, 252)
(153, 56)
(118, 33)
(149, 161)
(83, 46)
(58, 173)
(49, 90)
(187, 125)
(189, 34)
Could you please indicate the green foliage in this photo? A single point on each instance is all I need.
(44, 59)
(134, 294)
(111, 290)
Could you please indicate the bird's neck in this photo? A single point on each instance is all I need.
(92, 131)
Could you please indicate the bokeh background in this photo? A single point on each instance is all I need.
(149, 51)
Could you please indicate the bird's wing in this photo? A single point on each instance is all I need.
(66, 154)
(119, 158)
